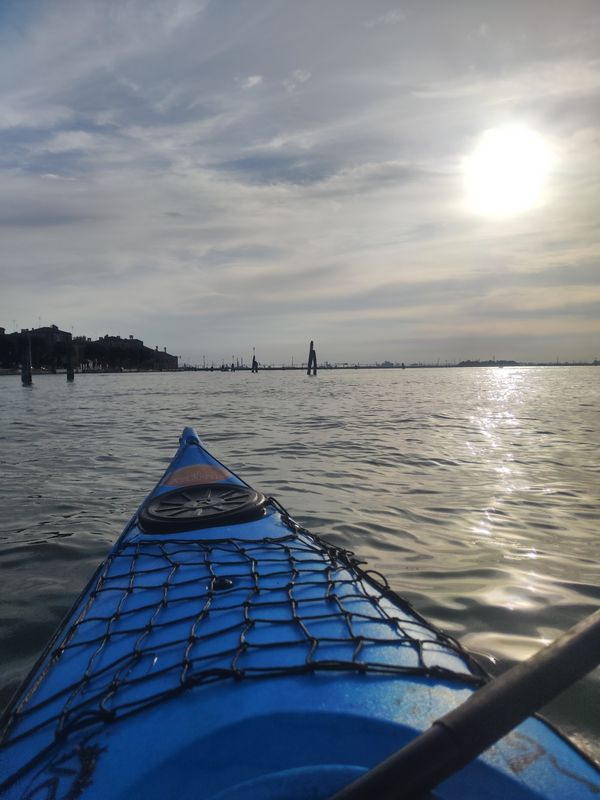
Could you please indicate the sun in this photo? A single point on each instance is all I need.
(507, 172)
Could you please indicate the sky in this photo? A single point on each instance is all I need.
(414, 181)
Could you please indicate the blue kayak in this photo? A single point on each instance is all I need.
(222, 651)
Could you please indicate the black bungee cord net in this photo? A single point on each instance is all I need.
(165, 615)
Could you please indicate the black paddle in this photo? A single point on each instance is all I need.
(489, 714)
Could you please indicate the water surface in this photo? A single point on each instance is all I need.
(476, 491)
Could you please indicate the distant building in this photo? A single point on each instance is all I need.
(50, 334)
(50, 347)
(53, 348)
(123, 344)
(115, 352)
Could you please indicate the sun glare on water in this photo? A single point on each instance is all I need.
(507, 172)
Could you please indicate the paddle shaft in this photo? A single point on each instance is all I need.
(489, 714)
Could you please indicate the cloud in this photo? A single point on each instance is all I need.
(296, 79)
(250, 82)
(33, 217)
(166, 161)
(278, 168)
(392, 17)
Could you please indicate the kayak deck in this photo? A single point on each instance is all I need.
(211, 585)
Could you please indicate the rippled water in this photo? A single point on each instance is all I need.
(476, 491)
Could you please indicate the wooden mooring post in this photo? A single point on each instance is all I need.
(70, 370)
(26, 378)
(312, 359)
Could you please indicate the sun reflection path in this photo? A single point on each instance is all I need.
(497, 427)
(502, 414)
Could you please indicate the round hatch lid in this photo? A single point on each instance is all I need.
(201, 506)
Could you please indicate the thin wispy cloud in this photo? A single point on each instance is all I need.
(296, 79)
(216, 174)
(392, 17)
(250, 82)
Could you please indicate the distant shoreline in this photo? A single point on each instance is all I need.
(329, 368)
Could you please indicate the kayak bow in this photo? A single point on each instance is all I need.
(222, 651)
